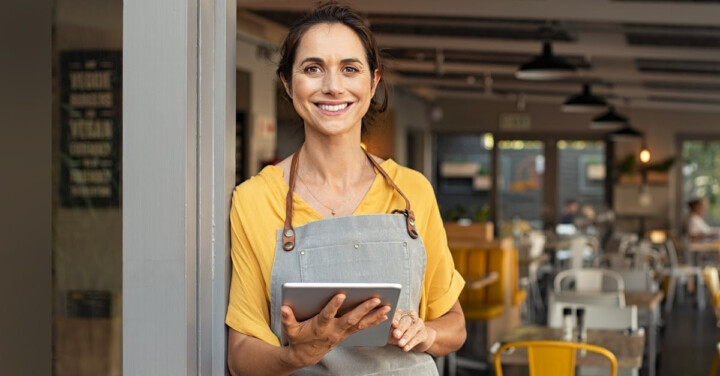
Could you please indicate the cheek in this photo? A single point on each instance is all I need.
(302, 88)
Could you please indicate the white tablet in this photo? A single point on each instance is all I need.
(308, 299)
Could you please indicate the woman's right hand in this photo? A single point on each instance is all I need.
(310, 340)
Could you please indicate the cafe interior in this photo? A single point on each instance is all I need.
(564, 139)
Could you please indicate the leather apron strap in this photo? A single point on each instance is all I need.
(288, 234)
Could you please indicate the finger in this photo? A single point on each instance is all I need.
(287, 316)
(412, 336)
(328, 312)
(396, 317)
(373, 318)
(353, 317)
(405, 321)
(288, 320)
(410, 344)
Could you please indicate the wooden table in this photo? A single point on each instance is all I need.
(704, 246)
(482, 282)
(697, 249)
(627, 348)
(648, 301)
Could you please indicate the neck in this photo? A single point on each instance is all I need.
(337, 163)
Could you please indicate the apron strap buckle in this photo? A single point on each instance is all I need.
(409, 220)
(288, 239)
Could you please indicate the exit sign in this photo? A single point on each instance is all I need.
(514, 122)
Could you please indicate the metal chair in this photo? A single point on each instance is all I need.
(588, 279)
(597, 317)
(678, 273)
(552, 358)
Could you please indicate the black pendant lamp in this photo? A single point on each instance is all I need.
(545, 67)
(608, 120)
(626, 133)
(584, 102)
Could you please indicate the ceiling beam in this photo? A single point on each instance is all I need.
(593, 50)
(637, 103)
(559, 89)
(614, 75)
(646, 12)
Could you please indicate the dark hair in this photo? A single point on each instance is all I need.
(334, 13)
(692, 204)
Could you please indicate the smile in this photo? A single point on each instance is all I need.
(333, 107)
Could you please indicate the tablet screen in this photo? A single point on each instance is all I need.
(308, 299)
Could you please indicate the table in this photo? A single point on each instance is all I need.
(704, 246)
(699, 248)
(627, 348)
(648, 301)
(483, 281)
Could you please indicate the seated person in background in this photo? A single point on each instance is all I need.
(695, 226)
(570, 211)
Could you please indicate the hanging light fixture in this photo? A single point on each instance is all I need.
(608, 120)
(626, 133)
(584, 102)
(644, 153)
(545, 67)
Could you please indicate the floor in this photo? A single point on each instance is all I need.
(687, 341)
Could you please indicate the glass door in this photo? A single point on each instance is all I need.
(87, 188)
(580, 182)
(520, 184)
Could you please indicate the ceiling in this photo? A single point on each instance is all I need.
(649, 54)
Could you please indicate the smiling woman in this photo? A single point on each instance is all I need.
(353, 218)
(331, 89)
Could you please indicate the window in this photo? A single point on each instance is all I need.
(701, 175)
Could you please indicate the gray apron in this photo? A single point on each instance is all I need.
(360, 248)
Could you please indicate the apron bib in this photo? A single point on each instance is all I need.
(362, 248)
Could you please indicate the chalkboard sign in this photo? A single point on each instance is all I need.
(91, 128)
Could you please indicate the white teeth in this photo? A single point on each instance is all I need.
(332, 108)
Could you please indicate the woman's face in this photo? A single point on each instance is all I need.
(331, 85)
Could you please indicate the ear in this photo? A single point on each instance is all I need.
(286, 85)
(375, 80)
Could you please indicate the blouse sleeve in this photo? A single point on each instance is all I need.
(248, 310)
(443, 283)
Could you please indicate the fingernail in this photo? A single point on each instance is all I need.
(402, 342)
(398, 333)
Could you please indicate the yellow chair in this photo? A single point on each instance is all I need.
(553, 358)
(712, 281)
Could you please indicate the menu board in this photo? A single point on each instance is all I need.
(91, 128)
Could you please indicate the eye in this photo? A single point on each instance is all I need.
(311, 69)
(351, 69)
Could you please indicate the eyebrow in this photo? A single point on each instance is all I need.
(314, 59)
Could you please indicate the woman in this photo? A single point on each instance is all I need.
(326, 214)
(695, 226)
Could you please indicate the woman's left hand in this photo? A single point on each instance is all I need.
(409, 332)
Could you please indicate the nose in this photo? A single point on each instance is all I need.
(332, 83)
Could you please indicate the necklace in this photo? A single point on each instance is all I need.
(332, 211)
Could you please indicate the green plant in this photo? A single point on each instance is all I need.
(629, 166)
(475, 213)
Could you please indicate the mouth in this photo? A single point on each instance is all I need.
(333, 108)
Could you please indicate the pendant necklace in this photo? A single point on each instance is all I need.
(332, 211)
